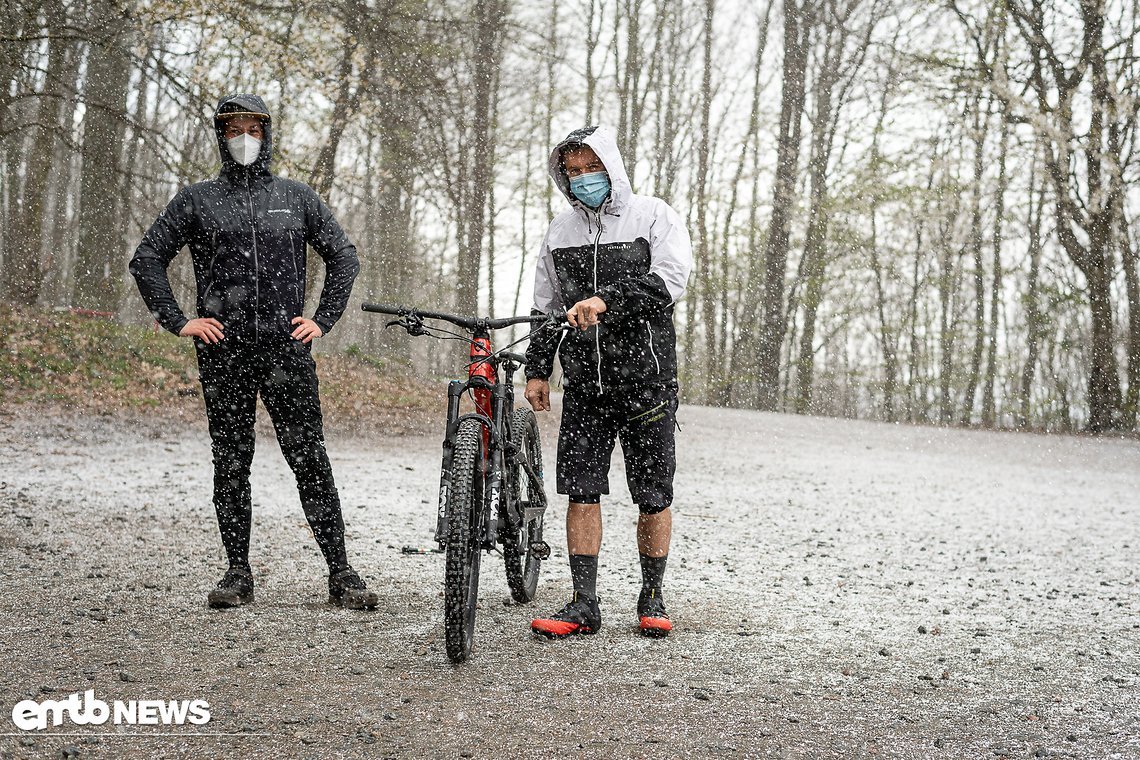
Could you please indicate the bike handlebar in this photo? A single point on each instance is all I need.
(468, 323)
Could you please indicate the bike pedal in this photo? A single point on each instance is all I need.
(540, 550)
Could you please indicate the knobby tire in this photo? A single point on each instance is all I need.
(525, 488)
(464, 511)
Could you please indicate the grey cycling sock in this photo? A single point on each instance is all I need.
(652, 573)
(584, 571)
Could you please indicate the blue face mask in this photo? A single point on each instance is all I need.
(591, 188)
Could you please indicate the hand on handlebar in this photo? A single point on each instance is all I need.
(538, 394)
(584, 314)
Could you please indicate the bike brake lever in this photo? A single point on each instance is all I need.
(555, 323)
(413, 326)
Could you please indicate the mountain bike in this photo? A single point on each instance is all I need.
(490, 488)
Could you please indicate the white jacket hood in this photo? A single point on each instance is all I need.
(601, 140)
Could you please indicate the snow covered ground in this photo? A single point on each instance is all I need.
(839, 588)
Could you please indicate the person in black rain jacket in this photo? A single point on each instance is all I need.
(247, 231)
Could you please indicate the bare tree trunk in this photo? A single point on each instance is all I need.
(21, 27)
(979, 134)
(947, 286)
(23, 272)
(813, 260)
(989, 412)
(837, 71)
(887, 340)
(345, 104)
(705, 260)
(1132, 289)
(59, 263)
(129, 180)
(1033, 318)
(1064, 140)
(761, 347)
(813, 263)
(670, 113)
(98, 271)
(12, 19)
(913, 383)
(628, 80)
(592, 37)
(724, 392)
(551, 89)
(524, 246)
(490, 18)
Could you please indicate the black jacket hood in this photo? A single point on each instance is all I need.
(243, 103)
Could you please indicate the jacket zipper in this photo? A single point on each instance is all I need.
(598, 328)
(653, 353)
(256, 272)
(297, 282)
(213, 260)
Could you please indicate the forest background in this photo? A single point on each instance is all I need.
(900, 210)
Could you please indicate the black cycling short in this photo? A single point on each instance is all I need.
(643, 418)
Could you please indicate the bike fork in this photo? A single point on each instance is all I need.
(455, 391)
(495, 464)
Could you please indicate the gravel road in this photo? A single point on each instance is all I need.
(839, 589)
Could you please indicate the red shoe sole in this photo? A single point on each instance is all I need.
(655, 627)
(559, 629)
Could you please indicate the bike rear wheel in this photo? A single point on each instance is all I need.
(526, 489)
(464, 518)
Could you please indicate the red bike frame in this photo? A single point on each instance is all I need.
(480, 367)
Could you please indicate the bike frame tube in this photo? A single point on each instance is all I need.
(488, 402)
(480, 366)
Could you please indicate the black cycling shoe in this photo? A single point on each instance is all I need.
(581, 616)
(233, 590)
(347, 590)
(652, 618)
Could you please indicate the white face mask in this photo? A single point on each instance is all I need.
(244, 149)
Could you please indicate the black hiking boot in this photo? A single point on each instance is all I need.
(347, 590)
(233, 590)
(581, 615)
(651, 615)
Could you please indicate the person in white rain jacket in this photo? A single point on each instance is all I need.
(615, 262)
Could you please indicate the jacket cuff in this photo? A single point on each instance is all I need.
(177, 325)
(612, 296)
(324, 324)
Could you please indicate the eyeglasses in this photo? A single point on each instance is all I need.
(253, 130)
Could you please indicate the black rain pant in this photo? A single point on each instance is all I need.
(283, 372)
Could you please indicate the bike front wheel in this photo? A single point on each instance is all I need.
(464, 516)
(527, 490)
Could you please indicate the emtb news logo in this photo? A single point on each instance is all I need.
(86, 710)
